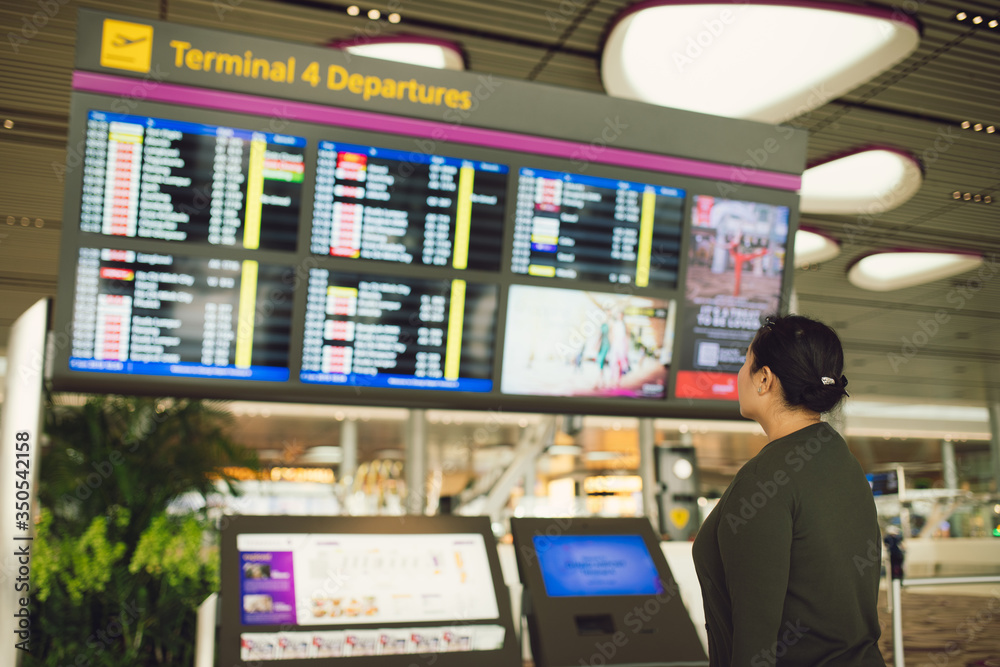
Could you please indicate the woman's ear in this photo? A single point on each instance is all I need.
(765, 380)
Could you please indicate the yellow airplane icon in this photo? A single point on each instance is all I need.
(121, 40)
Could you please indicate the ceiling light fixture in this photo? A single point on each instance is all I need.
(8, 123)
(993, 23)
(977, 20)
(961, 16)
(767, 61)
(564, 450)
(374, 14)
(813, 247)
(872, 179)
(423, 51)
(965, 125)
(322, 454)
(395, 18)
(353, 10)
(896, 269)
(968, 196)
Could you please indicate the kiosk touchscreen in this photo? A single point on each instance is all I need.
(599, 591)
(364, 591)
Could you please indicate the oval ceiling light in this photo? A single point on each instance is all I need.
(322, 454)
(896, 269)
(760, 61)
(812, 247)
(423, 51)
(869, 180)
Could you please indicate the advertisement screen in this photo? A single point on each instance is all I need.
(562, 342)
(734, 274)
(588, 565)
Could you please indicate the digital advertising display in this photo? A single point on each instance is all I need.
(563, 342)
(588, 565)
(734, 277)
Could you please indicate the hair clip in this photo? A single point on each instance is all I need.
(826, 380)
(768, 322)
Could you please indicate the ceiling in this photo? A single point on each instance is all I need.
(919, 106)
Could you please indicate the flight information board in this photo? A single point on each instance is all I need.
(407, 207)
(177, 181)
(584, 227)
(163, 314)
(398, 332)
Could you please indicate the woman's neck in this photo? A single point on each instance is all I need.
(787, 422)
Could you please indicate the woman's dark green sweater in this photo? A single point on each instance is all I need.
(789, 559)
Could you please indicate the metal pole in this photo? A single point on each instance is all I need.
(349, 449)
(207, 620)
(894, 545)
(949, 469)
(530, 479)
(897, 624)
(647, 471)
(888, 581)
(20, 447)
(994, 410)
(947, 581)
(416, 463)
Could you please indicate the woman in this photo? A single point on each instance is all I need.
(789, 559)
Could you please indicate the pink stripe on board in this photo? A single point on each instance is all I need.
(366, 120)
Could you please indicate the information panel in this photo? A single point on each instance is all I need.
(163, 314)
(737, 257)
(175, 181)
(393, 332)
(410, 208)
(382, 579)
(588, 228)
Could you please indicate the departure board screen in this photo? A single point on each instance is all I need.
(164, 314)
(588, 228)
(178, 181)
(408, 207)
(399, 332)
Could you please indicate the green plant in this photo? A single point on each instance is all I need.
(118, 578)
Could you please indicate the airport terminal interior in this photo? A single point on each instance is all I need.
(599, 432)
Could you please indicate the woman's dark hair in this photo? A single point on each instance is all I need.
(807, 358)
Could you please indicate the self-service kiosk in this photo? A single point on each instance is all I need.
(599, 592)
(363, 591)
